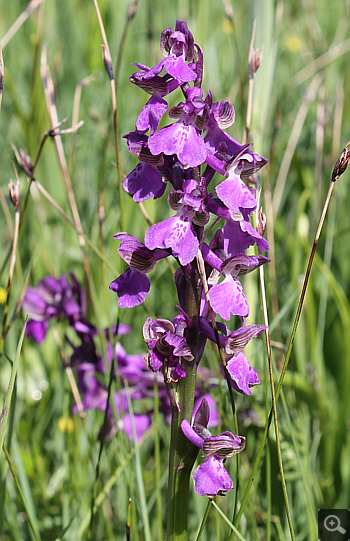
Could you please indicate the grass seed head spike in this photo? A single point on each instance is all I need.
(342, 162)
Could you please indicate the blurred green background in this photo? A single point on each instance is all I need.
(300, 123)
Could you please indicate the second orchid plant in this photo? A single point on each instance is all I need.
(182, 158)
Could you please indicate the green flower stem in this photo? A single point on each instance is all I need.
(182, 453)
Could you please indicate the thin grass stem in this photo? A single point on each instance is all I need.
(274, 406)
(1, 76)
(15, 196)
(27, 511)
(7, 401)
(107, 58)
(139, 476)
(20, 20)
(233, 528)
(204, 520)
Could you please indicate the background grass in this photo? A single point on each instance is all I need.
(300, 122)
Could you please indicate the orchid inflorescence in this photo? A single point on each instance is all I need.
(186, 155)
(211, 224)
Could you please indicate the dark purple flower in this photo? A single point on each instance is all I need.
(131, 287)
(37, 330)
(178, 48)
(211, 478)
(53, 298)
(144, 182)
(166, 345)
(242, 374)
(179, 43)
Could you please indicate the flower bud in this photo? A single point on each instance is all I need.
(342, 162)
(14, 193)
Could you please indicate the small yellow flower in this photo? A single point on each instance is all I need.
(227, 27)
(66, 425)
(294, 44)
(3, 295)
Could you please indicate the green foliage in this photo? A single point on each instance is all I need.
(54, 452)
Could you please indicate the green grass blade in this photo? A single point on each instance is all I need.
(7, 401)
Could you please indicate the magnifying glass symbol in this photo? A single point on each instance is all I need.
(332, 524)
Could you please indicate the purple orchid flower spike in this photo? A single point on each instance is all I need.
(211, 478)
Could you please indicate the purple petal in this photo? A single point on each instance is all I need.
(191, 434)
(237, 340)
(34, 304)
(174, 233)
(228, 298)
(212, 411)
(180, 346)
(215, 137)
(235, 194)
(154, 359)
(131, 287)
(177, 68)
(242, 373)
(178, 372)
(238, 236)
(144, 182)
(182, 140)
(151, 114)
(141, 424)
(37, 330)
(258, 239)
(211, 478)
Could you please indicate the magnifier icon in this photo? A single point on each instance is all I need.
(332, 524)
